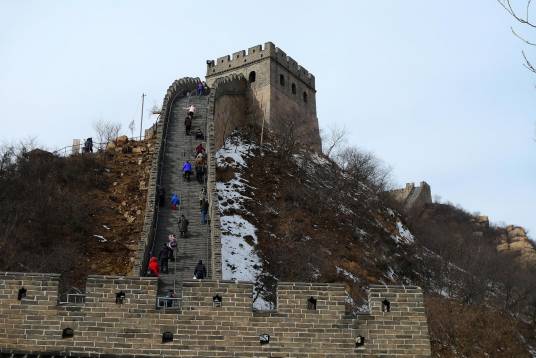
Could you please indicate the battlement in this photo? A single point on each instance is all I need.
(255, 54)
(215, 318)
(412, 196)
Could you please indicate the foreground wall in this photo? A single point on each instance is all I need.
(201, 329)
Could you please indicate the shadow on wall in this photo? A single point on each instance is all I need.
(237, 106)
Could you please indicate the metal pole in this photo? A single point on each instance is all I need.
(141, 120)
(262, 130)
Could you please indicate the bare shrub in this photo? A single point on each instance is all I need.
(365, 167)
(106, 131)
(333, 140)
(285, 138)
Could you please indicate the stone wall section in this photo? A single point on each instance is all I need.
(413, 197)
(178, 88)
(201, 328)
(226, 65)
(401, 331)
(280, 90)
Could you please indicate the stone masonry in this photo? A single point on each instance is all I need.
(214, 317)
(201, 328)
(281, 92)
(413, 197)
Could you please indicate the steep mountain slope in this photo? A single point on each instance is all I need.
(299, 217)
(72, 215)
(302, 220)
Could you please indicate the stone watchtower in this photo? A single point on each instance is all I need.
(281, 89)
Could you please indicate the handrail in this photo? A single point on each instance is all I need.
(96, 144)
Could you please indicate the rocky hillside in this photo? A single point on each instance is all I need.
(300, 217)
(303, 220)
(514, 239)
(72, 215)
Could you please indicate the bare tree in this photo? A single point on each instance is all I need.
(523, 17)
(132, 126)
(106, 131)
(333, 140)
(286, 138)
(365, 168)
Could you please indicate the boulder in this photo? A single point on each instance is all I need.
(482, 220)
(138, 150)
(515, 231)
(110, 146)
(121, 140)
(143, 185)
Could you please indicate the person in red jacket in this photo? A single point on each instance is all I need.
(154, 269)
(199, 149)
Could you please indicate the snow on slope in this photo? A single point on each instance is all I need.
(240, 260)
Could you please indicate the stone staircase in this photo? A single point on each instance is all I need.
(178, 148)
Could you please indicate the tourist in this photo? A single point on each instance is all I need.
(154, 269)
(199, 172)
(200, 89)
(187, 170)
(188, 124)
(170, 295)
(175, 200)
(172, 244)
(164, 255)
(183, 226)
(202, 197)
(191, 110)
(204, 212)
(199, 135)
(199, 149)
(200, 271)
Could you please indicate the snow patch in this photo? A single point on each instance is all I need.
(404, 235)
(348, 274)
(234, 153)
(241, 261)
(101, 238)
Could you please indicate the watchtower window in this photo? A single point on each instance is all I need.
(293, 88)
(252, 76)
(305, 96)
(281, 80)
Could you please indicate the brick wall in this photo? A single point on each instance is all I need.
(411, 196)
(277, 92)
(201, 328)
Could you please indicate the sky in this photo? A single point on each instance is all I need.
(436, 89)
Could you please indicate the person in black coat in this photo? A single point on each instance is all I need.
(200, 271)
(164, 255)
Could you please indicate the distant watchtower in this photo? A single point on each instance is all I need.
(282, 89)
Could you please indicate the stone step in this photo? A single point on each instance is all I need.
(178, 148)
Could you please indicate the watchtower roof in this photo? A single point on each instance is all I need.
(256, 54)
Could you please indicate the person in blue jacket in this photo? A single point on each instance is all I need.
(187, 170)
(175, 200)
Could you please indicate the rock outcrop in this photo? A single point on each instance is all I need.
(515, 239)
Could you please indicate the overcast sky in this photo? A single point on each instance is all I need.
(434, 88)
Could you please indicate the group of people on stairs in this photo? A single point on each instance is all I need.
(159, 264)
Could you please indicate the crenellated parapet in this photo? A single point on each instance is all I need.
(279, 90)
(254, 54)
(412, 196)
(215, 318)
